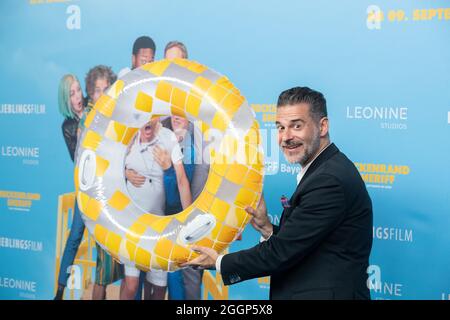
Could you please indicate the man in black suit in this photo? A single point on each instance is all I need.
(321, 248)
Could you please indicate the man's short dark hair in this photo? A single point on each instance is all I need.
(143, 42)
(296, 95)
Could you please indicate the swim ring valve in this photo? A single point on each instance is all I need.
(198, 228)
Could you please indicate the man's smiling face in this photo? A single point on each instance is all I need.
(298, 133)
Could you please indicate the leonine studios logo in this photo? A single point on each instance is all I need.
(390, 118)
(27, 288)
(29, 155)
(381, 289)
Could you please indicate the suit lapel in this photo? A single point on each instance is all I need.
(323, 157)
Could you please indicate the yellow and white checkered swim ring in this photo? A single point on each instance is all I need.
(183, 88)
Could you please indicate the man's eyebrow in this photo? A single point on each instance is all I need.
(290, 121)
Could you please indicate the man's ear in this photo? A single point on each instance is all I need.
(324, 126)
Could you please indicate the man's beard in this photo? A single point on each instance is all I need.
(309, 150)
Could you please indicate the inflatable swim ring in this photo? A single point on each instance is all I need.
(183, 88)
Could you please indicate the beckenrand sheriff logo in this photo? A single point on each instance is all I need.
(381, 175)
(18, 200)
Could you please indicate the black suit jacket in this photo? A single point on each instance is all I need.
(321, 248)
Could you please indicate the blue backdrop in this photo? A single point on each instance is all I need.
(383, 66)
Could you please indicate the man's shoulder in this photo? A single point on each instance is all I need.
(338, 166)
(341, 169)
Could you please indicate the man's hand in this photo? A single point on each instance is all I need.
(206, 260)
(162, 157)
(260, 220)
(135, 178)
